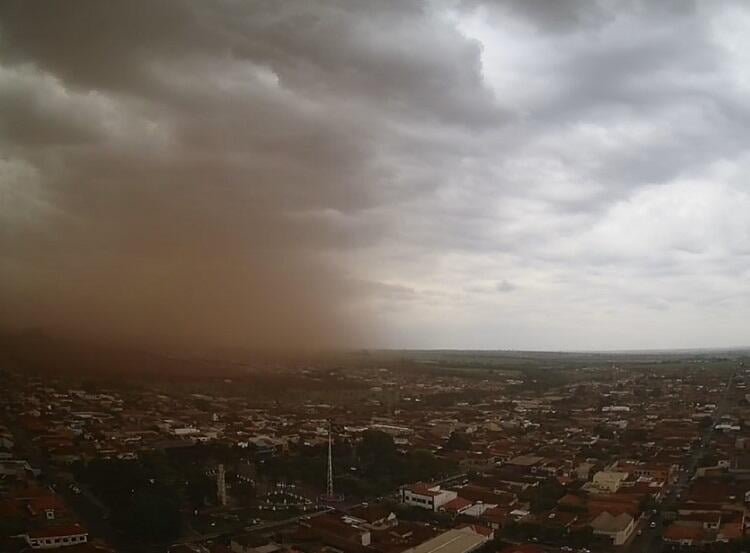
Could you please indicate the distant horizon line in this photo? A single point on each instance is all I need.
(508, 350)
(127, 344)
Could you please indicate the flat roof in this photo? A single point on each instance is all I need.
(526, 460)
(452, 541)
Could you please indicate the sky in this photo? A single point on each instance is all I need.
(514, 174)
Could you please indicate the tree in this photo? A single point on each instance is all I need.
(582, 537)
(422, 464)
(152, 516)
(376, 447)
(244, 492)
(200, 488)
(549, 492)
(352, 486)
(709, 460)
(458, 441)
(143, 496)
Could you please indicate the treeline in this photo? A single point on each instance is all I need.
(146, 497)
(372, 468)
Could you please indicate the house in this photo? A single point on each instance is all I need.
(253, 544)
(373, 516)
(403, 536)
(456, 506)
(426, 497)
(477, 494)
(685, 535)
(53, 537)
(618, 528)
(486, 531)
(462, 540)
(339, 533)
(185, 431)
(526, 461)
(663, 472)
(609, 481)
(558, 519)
(495, 517)
(614, 504)
(707, 521)
(730, 531)
(51, 506)
(583, 470)
(571, 501)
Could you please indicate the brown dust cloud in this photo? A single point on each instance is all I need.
(171, 179)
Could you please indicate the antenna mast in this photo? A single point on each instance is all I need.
(329, 488)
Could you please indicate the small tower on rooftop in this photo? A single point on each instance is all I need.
(221, 486)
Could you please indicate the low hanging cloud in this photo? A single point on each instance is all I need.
(510, 174)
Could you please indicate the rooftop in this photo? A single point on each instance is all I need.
(452, 541)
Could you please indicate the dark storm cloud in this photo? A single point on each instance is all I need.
(334, 48)
(195, 170)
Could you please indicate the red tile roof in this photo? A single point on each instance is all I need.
(46, 502)
(684, 533)
(457, 505)
(58, 531)
(422, 489)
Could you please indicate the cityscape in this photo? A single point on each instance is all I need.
(381, 452)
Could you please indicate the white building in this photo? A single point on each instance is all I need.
(425, 496)
(609, 480)
(57, 536)
(185, 431)
(616, 528)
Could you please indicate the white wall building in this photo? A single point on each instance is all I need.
(57, 536)
(425, 496)
(617, 528)
(609, 481)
